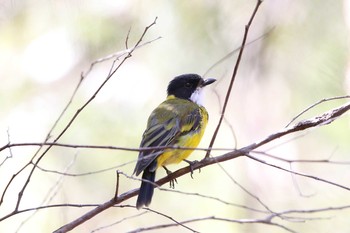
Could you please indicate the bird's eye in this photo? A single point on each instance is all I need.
(188, 85)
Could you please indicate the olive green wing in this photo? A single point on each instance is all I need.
(162, 127)
(165, 125)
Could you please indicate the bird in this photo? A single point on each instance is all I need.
(179, 121)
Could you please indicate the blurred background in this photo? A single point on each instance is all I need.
(301, 59)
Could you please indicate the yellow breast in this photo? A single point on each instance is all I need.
(190, 139)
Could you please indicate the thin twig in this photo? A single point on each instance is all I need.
(116, 56)
(177, 223)
(119, 221)
(291, 161)
(228, 55)
(51, 193)
(10, 151)
(129, 54)
(46, 140)
(117, 186)
(234, 74)
(315, 104)
(121, 148)
(241, 221)
(245, 190)
(299, 173)
(127, 39)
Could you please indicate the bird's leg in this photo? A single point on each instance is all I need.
(173, 181)
(192, 163)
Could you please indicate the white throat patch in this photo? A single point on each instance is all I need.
(197, 96)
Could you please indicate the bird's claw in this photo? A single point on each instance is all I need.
(192, 163)
(173, 181)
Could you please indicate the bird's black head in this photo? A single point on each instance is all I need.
(184, 86)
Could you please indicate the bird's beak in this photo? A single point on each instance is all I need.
(208, 81)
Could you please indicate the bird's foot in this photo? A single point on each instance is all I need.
(173, 181)
(192, 163)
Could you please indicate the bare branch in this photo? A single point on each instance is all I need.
(10, 145)
(35, 163)
(10, 151)
(116, 56)
(234, 74)
(119, 221)
(291, 161)
(51, 193)
(320, 120)
(228, 55)
(117, 186)
(299, 173)
(241, 221)
(246, 190)
(315, 104)
(46, 140)
(268, 215)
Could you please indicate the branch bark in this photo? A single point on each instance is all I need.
(320, 120)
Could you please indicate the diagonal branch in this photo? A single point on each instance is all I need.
(234, 74)
(320, 120)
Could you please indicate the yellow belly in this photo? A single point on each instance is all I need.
(191, 140)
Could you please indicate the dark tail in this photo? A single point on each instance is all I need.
(146, 189)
